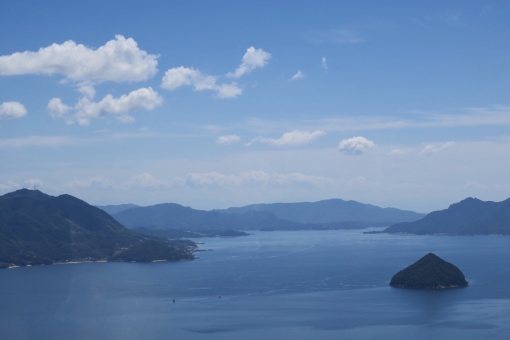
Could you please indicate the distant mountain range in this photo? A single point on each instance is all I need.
(113, 209)
(323, 215)
(36, 228)
(467, 217)
(175, 216)
(332, 210)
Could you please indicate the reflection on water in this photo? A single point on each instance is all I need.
(273, 285)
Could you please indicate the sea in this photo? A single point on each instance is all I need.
(268, 285)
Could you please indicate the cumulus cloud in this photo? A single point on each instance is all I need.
(118, 60)
(432, 149)
(56, 108)
(252, 59)
(230, 139)
(86, 109)
(295, 137)
(9, 110)
(180, 76)
(251, 178)
(355, 145)
(189, 76)
(297, 76)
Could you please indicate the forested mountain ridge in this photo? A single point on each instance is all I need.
(470, 216)
(36, 228)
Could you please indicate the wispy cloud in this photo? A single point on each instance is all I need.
(147, 181)
(252, 178)
(9, 186)
(334, 36)
(41, 141)
(252, 59)
(324, 64)
(298, 75)
(181, 76)
(295, 137)
(432, 149)
(230, 139)
(493, 116)
(54, 141)
(399, 152)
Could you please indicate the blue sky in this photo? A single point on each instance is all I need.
(225, 103)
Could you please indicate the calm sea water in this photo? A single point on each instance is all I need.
(273, 285)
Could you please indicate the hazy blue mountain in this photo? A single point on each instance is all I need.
(332, 210)
(113, 209)
(36, 228)
(470, 216)
(170, 217)
(175, 216)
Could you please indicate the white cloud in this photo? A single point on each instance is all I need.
(143, 98)
(10, 110)
(432, 149)
(295, 137)
(230, 139)
(324, 64)
(145, 181)
(355, 145)
(297, 76)
(56, 108)
(118, 60)
(93, 182)
(231, 90)
(126, 119)
(252, 59)
(87, 90)
(180, 76)
(396, 152)
(251, 178)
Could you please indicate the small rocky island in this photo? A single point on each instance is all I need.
(430, 272)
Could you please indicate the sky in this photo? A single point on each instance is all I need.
(214, 104)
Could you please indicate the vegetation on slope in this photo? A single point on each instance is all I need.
(467, 217)
(36, 228)
(430, 272)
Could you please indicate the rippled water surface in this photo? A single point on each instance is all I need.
(273, 285)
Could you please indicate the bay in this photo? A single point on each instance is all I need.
(269, 285)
